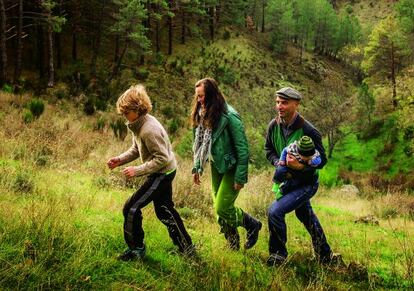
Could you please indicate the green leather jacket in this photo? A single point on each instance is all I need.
(229, 146)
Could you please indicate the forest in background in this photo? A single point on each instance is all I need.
(60, 206)
(355, 68)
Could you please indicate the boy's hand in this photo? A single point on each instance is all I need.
(129, 172)
(113, 162)
(196, 179)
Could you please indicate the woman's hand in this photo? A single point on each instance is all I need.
(196, 179)
(129, 172)
(113, 162)
(237, 186)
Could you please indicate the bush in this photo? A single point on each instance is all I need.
(372, 130)
(185, 146)
(174, 125)
(226, 35)
(408, 150)
(23, 183)
(7, 88)
(100, 124)
(168, 111)
(36, 107)
(100, 104)
(89, 107)
(142, 74)
(119, 128)
(226, 75)
(28, 117)
(409, 133)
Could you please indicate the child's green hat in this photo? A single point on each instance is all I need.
(306, 147)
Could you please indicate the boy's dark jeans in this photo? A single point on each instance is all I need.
(157, 188)
(298, 200)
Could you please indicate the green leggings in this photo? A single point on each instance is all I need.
(224, 197)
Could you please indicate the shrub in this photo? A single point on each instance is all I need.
(42, 157)
(226, 75)
(119, 128)
(168, 111)
(100, 124)
(142, 74)
(23, 183)
(89, 107)
(28, 116)
(409, 132)
(36, 107)
(100, 104)
(226, 35)
(7, 88)
(184, 147)
(408, 150)
(174, 125)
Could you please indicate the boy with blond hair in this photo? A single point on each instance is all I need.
(150, 142)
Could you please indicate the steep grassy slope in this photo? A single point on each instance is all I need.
(61, 222)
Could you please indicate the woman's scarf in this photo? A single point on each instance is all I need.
(202, 145)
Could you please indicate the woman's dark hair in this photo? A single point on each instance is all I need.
(214, 102)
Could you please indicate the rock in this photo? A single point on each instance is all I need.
(349, 191)
(368, 219)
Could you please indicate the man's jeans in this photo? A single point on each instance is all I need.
(297, 200)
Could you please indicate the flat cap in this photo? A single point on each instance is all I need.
(288, 93)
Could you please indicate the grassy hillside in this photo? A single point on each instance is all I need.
(61, 221)
(369, 12)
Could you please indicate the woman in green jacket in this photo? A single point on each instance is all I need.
(219, 137)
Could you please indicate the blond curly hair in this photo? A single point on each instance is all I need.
(134, 99)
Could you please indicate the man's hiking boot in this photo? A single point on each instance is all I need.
(133, 254)
(253, 226)
(275, 260)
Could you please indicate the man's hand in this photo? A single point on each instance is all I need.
(196, 179)
(293, 163)
(237, 186)
(113, 162)
(129, 172)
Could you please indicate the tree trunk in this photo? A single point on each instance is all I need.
(116, 52)
(157, 35)
(263, 15)
(183, 26)
(18, 64)
(330, 144)
(74, 46)
(51, 81)
(118, 64)
(97, 42)
(40, 50)
(3, 48)
(58, 46)
(393, 81)
(77, 8)
(212, 14)
(170, 29)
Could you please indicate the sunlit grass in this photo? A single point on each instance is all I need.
(66, 232)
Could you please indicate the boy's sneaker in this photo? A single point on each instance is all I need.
(133, 254)
(275, 260)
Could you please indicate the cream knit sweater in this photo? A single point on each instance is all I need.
(150, 142)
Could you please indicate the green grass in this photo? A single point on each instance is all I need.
(68, 232)
(366, 156)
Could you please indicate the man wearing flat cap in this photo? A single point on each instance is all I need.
(289, 126)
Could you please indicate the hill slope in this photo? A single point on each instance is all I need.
(61, 222)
